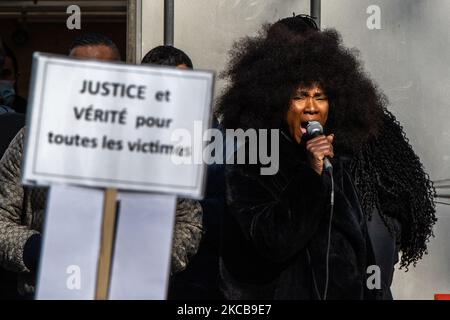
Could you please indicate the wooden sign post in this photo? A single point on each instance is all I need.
(106, 244)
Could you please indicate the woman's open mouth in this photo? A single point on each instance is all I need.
(303, 125)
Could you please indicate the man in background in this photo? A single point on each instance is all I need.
(168, 56)
(9, 76)
(200, 280)
(22, 208)
(10, 122)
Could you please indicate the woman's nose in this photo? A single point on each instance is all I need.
(310, 105)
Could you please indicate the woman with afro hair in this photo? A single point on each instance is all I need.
(283, 238)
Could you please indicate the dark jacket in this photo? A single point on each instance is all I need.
(275, 235)
(10, 124)
(201, 278)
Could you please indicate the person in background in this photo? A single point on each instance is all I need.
(168, 56)
(9, 94)
(22, 208)
(10, 121)
(200, 280)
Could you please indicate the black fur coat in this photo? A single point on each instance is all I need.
(274, 238)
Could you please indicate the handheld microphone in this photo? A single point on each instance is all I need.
(314, 129)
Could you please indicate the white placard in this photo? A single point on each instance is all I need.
(71, 243)
(141, 263)
(105, 124)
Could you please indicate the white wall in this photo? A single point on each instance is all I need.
(206, 29)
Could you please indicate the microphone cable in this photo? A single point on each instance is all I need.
(330, 171)
(327, 259)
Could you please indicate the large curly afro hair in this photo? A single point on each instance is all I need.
(262, 75)
(265, 70)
